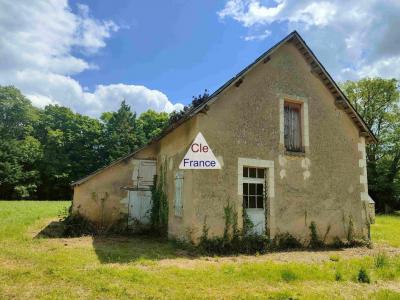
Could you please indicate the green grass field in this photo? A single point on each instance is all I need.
(127, 268)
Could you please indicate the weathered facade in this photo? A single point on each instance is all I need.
(244, 123)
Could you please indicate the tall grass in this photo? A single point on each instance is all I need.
(127, 268)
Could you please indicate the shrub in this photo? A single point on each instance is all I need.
(159, 208)
(338, 243)
(350, 231)
(75, 225)
(288, 275)
(315, 241)
(334, 258)
(338, 276)
(381, 260)
(363, 276)
(286, 241)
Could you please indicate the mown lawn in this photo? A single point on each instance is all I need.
(127, 268)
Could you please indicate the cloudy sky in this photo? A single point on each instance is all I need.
(89, 55)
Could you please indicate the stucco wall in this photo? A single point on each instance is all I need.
(171, 150)
(323, 186)
(101, 198)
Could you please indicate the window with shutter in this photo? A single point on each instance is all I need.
(292, 130)
(178, 193)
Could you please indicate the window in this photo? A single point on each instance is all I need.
(178, 193)
(253, 187)
(292, 131)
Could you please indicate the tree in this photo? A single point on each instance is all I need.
(19, 152)
(120, 133)
(150, 124)
(377, 101)
(71, 149)
(196, 101)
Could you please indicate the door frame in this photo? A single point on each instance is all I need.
(269, 205)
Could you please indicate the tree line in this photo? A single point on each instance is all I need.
(43, 150)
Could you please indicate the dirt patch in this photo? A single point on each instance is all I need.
(299, 256)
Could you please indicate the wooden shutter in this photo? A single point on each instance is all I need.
(293, 127)
(178, 193)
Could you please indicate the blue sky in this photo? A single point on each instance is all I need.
(180, 49)
(89, 55)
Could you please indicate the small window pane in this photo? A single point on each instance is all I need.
(260, 189)
(245, 201)
(252, 172)
(245, 172)
(245, 188)
(260, 173)
(252, 201)
(260, 202)
(252, 188)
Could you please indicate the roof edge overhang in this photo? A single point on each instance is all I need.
(317, 69)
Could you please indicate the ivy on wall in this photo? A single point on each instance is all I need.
(159, 209)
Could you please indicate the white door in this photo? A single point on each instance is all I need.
(140, 198)
(139, 206)
(254, 191)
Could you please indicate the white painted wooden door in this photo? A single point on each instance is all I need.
(140, 198)
(140, 206)
(254, 192)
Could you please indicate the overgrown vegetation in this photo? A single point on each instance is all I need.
(196, 101)
(159, 209)
(377, 100)
(363, 276)
(143, 267)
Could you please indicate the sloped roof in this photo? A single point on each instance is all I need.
(317, 69)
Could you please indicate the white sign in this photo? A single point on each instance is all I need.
(199, 156)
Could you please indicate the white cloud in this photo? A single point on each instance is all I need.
(352, 38)
(139, 97)
(258, 37)
(38, 40)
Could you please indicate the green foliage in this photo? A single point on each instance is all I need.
(150, 124)
(288, 275)
(377, 101)
(75, 225)
(338, 276)
(350, 231)
(248, 225)
(363, 276)
(70, 149)
(120, 134)
(334, 257)
(315, 241)
(286, 241)
(381, 260)
(19, 152)
(196, 101)
(159, 209)
(233, 241)
(43, 151)
(230, 217)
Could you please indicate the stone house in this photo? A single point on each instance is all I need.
(291, 149)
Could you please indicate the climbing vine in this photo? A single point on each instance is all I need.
(159, 209)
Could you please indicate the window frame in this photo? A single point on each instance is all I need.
(298, 105)
(178, 193)
(254, 180)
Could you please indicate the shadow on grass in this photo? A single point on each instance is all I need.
(53, 230)
(142, 248)
(121, 248)
(124, 249)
